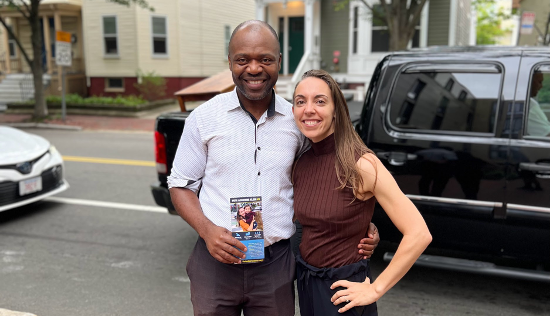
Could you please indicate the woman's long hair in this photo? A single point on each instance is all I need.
(349, 146)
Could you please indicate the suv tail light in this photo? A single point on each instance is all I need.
(160, 153)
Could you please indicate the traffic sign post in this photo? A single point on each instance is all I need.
(63, 57)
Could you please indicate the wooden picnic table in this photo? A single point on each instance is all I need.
(206, 89)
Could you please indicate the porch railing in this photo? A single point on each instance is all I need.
(15, 63)
(302, 66)
(26, 86)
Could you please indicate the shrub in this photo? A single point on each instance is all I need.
(76, 99)
(150, 86)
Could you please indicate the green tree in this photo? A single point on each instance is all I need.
(489, 22)
(30, 10)
(400, 16)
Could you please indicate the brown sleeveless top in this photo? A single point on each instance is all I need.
(332, 227)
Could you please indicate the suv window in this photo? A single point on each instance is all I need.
(538, 115)
(446, 98)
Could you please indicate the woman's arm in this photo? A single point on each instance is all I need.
(244, 225)
(405, 216)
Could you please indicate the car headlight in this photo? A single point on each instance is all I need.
(53, 150)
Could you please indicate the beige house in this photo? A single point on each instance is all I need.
(55, 15)
(183, 41)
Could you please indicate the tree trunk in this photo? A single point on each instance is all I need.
(40, 107)
(399, 39)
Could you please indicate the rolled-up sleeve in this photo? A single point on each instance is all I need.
(190, 161)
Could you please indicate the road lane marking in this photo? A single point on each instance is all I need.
(111, 161)
(124, 206)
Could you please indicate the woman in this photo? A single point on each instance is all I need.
(242, 221)
(336, 184)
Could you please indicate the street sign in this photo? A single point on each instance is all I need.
(527, 22)
(63, 55)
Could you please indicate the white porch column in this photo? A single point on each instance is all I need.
(7, 47)
(316, 37)
(260, 10)
(47, 44)
(308, 26)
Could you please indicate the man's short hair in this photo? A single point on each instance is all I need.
(259, 24)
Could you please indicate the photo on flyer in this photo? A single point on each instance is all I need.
(247, 226)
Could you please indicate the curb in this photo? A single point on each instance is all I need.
(46, 126)
(5, 312)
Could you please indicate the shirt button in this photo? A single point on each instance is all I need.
(258, 173)
(259, 148)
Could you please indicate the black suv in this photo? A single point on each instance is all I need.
(465, 133)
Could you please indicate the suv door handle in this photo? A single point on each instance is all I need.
(534, 167)
(396, 158)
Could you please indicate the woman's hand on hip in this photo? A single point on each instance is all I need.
(354, 294)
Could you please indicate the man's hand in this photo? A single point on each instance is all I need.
(221, 245)
(367, 245)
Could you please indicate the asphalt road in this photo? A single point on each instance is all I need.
(59, 259)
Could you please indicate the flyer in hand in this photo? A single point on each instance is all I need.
(247, 226)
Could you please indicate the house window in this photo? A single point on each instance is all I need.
(449, 85)
(114, 84)
(160, 46)
(380, 34)
(12, 45)
(355, 29)
(227, 37)
(110, 39)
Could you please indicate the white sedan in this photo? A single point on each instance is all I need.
(30, 168)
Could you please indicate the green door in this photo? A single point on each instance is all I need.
(295, 42)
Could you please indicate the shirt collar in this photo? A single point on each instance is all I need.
(273, 106)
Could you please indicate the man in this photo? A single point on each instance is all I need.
(241, 144)
(537, 123)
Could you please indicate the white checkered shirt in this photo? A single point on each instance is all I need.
(222, 150)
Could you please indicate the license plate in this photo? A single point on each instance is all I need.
(30, 186)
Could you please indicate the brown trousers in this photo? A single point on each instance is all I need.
(256, 289)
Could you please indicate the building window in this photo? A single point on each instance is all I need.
(449, 85)
(110, 39)
(160, 39)
(355, 29)
(12, 45)
(380, 40)
(227, 37)
(114, 84)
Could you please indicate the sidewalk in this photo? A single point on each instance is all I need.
(144, 123)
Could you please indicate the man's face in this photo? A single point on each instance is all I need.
(536, 85)
(255, 61)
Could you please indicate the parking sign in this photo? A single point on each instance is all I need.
(527, 22)
(63, 56)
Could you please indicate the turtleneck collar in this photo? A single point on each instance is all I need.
(325, 146)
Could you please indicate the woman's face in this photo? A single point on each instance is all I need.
(241, 211)
(314, 109)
